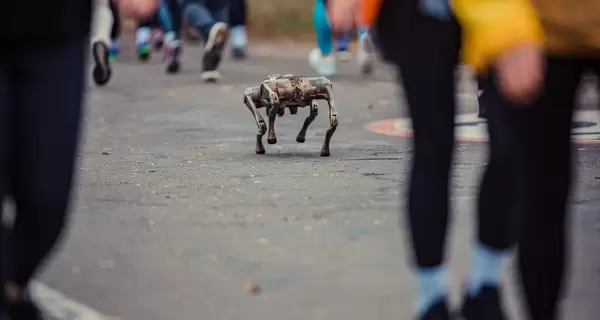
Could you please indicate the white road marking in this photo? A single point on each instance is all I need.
(60, 307)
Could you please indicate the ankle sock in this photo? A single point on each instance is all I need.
(486, 267)
(432, 287)
(238, 37)
(143, 35)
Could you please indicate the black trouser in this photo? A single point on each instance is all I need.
(41, 97)
(426, 51)
(237, 12)
(116, 27)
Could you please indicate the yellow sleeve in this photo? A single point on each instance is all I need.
(491, 27)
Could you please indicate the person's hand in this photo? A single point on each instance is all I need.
(342, 14)
(521, 73)
(138, 9)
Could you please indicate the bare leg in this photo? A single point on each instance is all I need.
(333, 122)
(314, 111)
(260, 123)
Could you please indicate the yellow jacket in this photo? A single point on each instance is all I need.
(491, 27)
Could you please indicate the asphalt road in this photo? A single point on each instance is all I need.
(175, 214)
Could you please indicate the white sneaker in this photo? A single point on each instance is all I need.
(324, 66)
(364, 54)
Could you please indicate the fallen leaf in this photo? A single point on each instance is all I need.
(252, 288)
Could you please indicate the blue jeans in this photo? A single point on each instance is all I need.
(204, 14)
(41, 98)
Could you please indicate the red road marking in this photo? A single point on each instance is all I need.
(387, 127)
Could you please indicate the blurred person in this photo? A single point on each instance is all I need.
(423, 39)
(544, 77)
(102, 24)
(239, 36)
(42, 83)
(147, 35)
(210, 19)
(322, 59)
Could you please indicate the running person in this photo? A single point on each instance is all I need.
(423, 40)
(321, 59)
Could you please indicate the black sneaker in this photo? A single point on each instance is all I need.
(102, 71)
(23, 310)
(486, 305)
(238, 53)
(213, 50)
(438, 311)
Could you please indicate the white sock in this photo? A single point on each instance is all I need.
(143, 35)
(432, 287)
(238, 37)
(486, 267)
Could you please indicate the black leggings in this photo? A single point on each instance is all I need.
(428, 60)
(543, 247)
(237, 12)
(115, 32)
(39, 129)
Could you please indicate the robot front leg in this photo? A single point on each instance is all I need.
(260, 123)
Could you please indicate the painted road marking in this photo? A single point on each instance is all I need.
(470, 128)
(60, 307)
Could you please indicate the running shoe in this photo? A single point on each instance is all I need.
(213, 51)
(365, 54)
(102, 71)
(485, 305)
(157, 39)
(323, 65)
(171, 54)
(144, 51)
(438, 311)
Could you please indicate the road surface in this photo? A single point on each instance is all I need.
(175, 216)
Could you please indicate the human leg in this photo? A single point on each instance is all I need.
(211, 21)
(170, 15)
(237, 19)
(115, 33)
(543, 246)
(427, 61)
(102, 23)
(321, 58)
(46, 117)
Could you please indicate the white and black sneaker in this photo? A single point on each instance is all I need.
(172, 52)
(213, 51)
(101, 72)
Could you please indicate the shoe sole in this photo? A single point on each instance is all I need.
(102, 71)
(213, 51)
